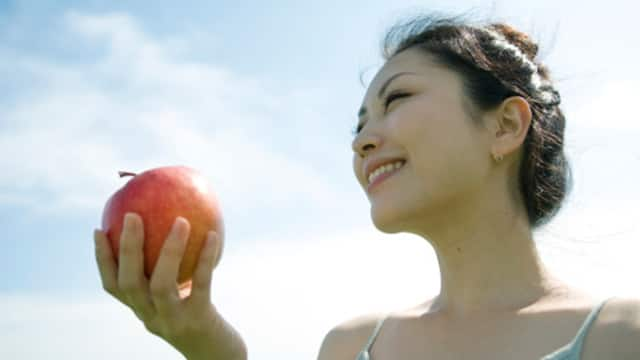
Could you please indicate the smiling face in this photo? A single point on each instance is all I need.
(424, 122)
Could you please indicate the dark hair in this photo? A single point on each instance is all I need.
(496, 61)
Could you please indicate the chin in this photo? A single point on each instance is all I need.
(403, 219)
(386, 224)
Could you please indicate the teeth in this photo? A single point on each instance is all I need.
(385, 168)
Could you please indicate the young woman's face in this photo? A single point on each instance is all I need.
(419, 118)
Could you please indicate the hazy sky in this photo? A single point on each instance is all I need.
(261, 97)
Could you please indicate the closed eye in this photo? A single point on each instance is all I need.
(393, 96)
(387, 101)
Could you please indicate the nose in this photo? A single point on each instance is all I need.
(364, 143)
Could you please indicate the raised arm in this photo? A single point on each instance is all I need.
(184, 317)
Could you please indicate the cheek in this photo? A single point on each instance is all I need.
(416, 117)
(437, 148)
(415, 127)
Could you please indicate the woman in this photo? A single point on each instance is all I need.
(460, 141)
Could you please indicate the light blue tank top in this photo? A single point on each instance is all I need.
(570, 351)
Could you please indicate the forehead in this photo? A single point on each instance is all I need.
(414, 61)
(411, 60)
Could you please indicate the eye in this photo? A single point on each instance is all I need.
(393, 96)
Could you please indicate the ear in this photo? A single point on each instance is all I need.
(511, 125)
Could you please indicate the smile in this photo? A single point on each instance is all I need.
(384, 173)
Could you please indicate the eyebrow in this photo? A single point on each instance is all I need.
(363, 111)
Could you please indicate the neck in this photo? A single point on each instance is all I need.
(489, 262)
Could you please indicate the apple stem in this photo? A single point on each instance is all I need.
(126, 173)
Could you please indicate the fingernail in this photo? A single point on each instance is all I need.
(128, 219)
(177, 221)
(131, 222)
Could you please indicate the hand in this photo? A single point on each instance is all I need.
(184, 317)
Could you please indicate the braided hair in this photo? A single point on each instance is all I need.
(495, 62)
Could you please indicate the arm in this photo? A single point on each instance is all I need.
(223, 342)
(185, 316)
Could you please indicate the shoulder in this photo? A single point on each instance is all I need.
(345, 340)
(621, 315)
(616, 331)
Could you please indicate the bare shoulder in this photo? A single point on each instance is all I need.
(620, 315)
(616, 332)
(345, 340)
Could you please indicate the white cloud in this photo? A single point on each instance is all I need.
(71, 329)
(135, 107)
(610, 107)
(282, 295)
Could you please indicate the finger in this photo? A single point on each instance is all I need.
(164, 289)
(209, 259)
(106, 264)
(185, 289)
(131, 279)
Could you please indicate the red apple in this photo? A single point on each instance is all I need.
(159, 196)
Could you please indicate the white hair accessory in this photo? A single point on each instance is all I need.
(499, 41)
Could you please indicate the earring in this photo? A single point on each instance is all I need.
(497, 157)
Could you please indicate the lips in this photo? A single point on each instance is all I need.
(373, 164)
(384, 176)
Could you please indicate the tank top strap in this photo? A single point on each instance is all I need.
(373, 336)
(580, 336)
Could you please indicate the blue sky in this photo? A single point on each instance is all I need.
(261, 97)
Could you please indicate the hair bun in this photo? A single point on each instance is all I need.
(519, 39)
